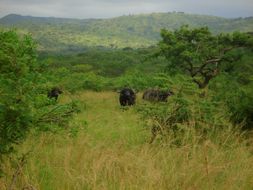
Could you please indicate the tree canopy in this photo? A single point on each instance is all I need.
(200, 53)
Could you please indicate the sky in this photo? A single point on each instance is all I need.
(113, 8)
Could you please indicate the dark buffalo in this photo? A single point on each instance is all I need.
(127, 97)
(156, 95)
(54, 93)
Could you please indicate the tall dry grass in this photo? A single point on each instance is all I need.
(112, 153)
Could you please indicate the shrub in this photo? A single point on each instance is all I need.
(21, 91)
(185, 110)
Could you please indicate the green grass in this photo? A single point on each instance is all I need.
(112, 152)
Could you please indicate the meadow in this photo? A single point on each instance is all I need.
(111, 151)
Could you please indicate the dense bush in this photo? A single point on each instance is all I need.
(18, 88)
(185, 110)
(24, 104)
(236, 97)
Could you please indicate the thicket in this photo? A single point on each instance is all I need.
(186, 111)
(24, 104)
(106, 69)
(204, 56)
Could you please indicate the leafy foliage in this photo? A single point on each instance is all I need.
(237, 98)
(18, 73)
(105, 69)
(200, 53)
(22, 94)
(185, 111)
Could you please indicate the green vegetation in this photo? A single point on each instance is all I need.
(64, 35)
(106, 70)
(111, 151)
(199, 139)
(23, 105)
(202, 54)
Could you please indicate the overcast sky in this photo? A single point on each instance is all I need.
(113, 8)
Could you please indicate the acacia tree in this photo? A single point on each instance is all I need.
(200, 53)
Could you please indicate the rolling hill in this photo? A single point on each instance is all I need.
(59, 34)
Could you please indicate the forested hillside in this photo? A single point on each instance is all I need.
(57, 34)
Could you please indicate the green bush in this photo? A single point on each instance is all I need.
(236, 97)
(22, 93)
(184, 111)
(18, 88)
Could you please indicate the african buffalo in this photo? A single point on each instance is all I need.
(54, 93)
(127, 97)
(156, 95)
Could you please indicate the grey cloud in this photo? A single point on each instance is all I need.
(112, 8)
(226, 8)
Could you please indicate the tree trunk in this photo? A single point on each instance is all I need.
(205, 82)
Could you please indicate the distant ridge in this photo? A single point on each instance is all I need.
(125, 31)
(16, 18)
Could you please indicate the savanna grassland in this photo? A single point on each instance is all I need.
(111, 151)
(201, 138)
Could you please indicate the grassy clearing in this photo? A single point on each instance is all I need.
(111, 152)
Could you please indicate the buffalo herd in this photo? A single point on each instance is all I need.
(127, 96)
